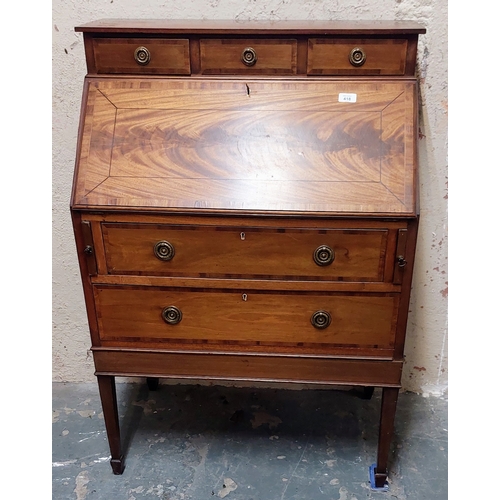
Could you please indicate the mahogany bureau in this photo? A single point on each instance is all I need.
(245, 204)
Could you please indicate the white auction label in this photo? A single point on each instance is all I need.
(343, 97)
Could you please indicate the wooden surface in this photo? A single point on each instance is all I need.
(283, 47)
(230, 252)
(168, 57)
(107, 392)
(248, 145)
(282, 56)
(244, 367)
(223, 56)
(255, 317)
(172, 26)
(386, 430)
(331, 56)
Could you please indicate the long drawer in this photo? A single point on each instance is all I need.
(232, 252)
(145, 314)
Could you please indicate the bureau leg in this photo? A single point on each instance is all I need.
(107, 391)
(367, 392)
(387, 415)
(153, 383)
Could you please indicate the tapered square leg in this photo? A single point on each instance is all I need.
(153, 383)
(367, 392)
(107, 391)
(386, 431)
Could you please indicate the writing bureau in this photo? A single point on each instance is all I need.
(245, 204)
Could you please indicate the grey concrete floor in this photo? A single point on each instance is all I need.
(192, 442)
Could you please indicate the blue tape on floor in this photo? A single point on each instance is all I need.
(372, 480)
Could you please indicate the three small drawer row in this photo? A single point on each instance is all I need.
(259, 56)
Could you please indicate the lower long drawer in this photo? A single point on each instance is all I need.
(253, 317)
(182, 365)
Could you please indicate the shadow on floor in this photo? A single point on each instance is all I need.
(202, 442)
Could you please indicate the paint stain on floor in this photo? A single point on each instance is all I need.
(228, 486)
(81, 482)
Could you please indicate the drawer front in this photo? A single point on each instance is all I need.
(248, 317)
(231, 56)
(142, 56)
(356, 57)
(232, 252)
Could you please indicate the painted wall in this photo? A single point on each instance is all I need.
(425, 369)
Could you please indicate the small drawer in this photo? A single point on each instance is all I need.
(247, 317)
(142, 56)
(242, 252)
(230, 56)
(356, 56)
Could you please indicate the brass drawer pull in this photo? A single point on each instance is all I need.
(164, 250)
(249, 56)
(321, 320)
(401, 261)
(171, 315)
(357, 57)
(142, 56)
(324, 255)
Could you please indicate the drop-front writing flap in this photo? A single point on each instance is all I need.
(244, 145)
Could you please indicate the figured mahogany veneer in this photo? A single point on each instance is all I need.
(245, 204)
(288, 146)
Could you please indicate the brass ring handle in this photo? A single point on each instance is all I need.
(324, 255)
(321, 320)
(401, 261)
(249, 56)
(357, 57)
(164, 250)
(142, 56)
(171, 315)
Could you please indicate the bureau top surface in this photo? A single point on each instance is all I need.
(248, 145)
(173, 26)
